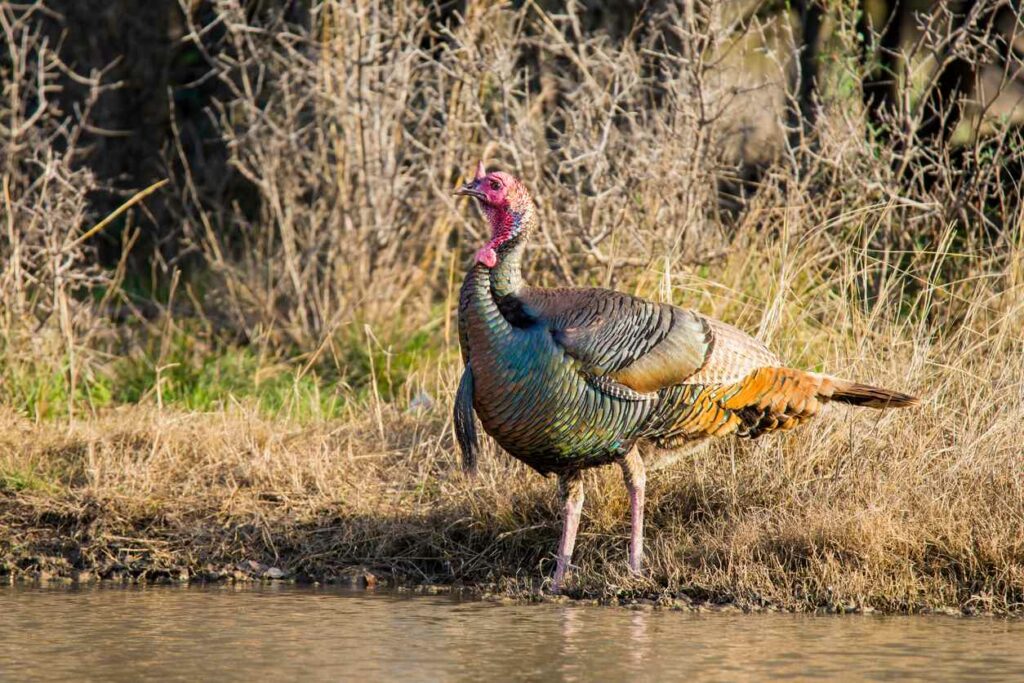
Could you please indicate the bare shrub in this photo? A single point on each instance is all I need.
(354, 134)
(47, 271)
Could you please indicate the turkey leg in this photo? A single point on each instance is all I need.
(571, 489)
(635, 474)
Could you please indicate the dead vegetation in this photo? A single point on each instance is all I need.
(269, 385)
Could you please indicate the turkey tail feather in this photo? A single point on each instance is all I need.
(858, 394)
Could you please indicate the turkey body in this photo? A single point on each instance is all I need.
(531, 396)
(566, 379)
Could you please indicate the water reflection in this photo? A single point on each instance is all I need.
(280, 632)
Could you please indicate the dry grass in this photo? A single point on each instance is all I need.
(129, 448)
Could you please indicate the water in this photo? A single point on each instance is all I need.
(285, 633)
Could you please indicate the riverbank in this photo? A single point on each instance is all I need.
(862, 511)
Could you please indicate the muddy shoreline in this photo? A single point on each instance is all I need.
(26, 568)
(489, 593)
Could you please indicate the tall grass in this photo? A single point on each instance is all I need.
(285, 397)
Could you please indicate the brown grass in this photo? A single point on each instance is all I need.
(888, 263)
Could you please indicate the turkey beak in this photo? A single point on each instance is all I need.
(470, 190)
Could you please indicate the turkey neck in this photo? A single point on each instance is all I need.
(482, 326)
(486, 296)
(490, 291)
(489, 295)
(510, 228)
(507, 273)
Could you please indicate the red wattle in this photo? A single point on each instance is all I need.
(487, 256)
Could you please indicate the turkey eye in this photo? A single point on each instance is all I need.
(495, 185)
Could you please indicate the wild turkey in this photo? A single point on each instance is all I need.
(567, 379)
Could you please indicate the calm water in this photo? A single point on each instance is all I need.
(166, 633)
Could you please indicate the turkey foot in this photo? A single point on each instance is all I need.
(571, 489)
(635, 475)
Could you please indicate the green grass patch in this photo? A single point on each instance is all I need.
(187, 370)
(41, 388)
(17, 481)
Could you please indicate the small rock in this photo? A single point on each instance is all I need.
(275, 573)
(356, 577)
